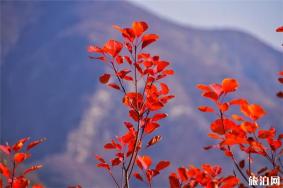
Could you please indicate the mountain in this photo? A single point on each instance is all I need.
(49, 87)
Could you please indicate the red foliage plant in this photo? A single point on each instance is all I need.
(134, 68)
(14, 156)
(234, 133)
(280, 79)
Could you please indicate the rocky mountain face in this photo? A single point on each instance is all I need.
(49, 87)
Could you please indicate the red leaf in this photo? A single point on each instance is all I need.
(113, 47)
(148, 39)
(33, 168)
(4, 170)
(35, 143)
(279, 94)
(123, 73)
(214, 136)
(99, 158)
(128, 59)
(19, 145)
(20, 182)
(280, 80)
(147, 63)
(237, 117)
(208, 147)
(164, 89)
(211, 95)
(203, 87)
(279, 29)
(150, 127)
(109, 146)
(113, 85)
(219, 126)
(92, 49)
(41, 186)
(230, 181)
(205, 109)
(128, 137)
(134, 115)
(104, 78)
(144, 162)
(119, 59)
(168, 72)
(128, 78)
(128, 125)
(139, 68)
(228, 153)
(149, 174)
(5, 149)
(157, 117)
(166, 98)
(154, 140)
(161, 65)
(155, 106)
(183, 174)
(20, 157)
(127, 33)
(138, 176)
(274, 144)
(242, 164)
(253, 111)
(249, 127)
(144, 56)
(223, 107)
(116, 161)
(139, 28)
(229, 85)
(162, 165)
(103, 165)
(174, 181)
(232, 139)
(216, 88)
(238, 102)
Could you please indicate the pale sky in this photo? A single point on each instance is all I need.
(258, 17)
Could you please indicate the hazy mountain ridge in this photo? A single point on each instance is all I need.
(50, 89)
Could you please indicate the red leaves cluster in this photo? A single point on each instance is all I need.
(15, 156)
(225, 128)
(142, 73)
(144, 163)
(207, 177)
(241, 131)
(233, 132)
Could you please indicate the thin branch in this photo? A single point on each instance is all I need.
(141, 137)
(266, 154)
(135, 147)
(114, 179)
(234, 160)
(241, 172)
(119, 79)
(13, 173)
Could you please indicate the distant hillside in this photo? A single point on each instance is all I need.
(49, 87)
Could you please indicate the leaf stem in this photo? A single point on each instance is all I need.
(114, 179)
(13, 173)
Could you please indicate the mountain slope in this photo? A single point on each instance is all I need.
(49, 88)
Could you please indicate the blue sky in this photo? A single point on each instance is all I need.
(258, 17)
